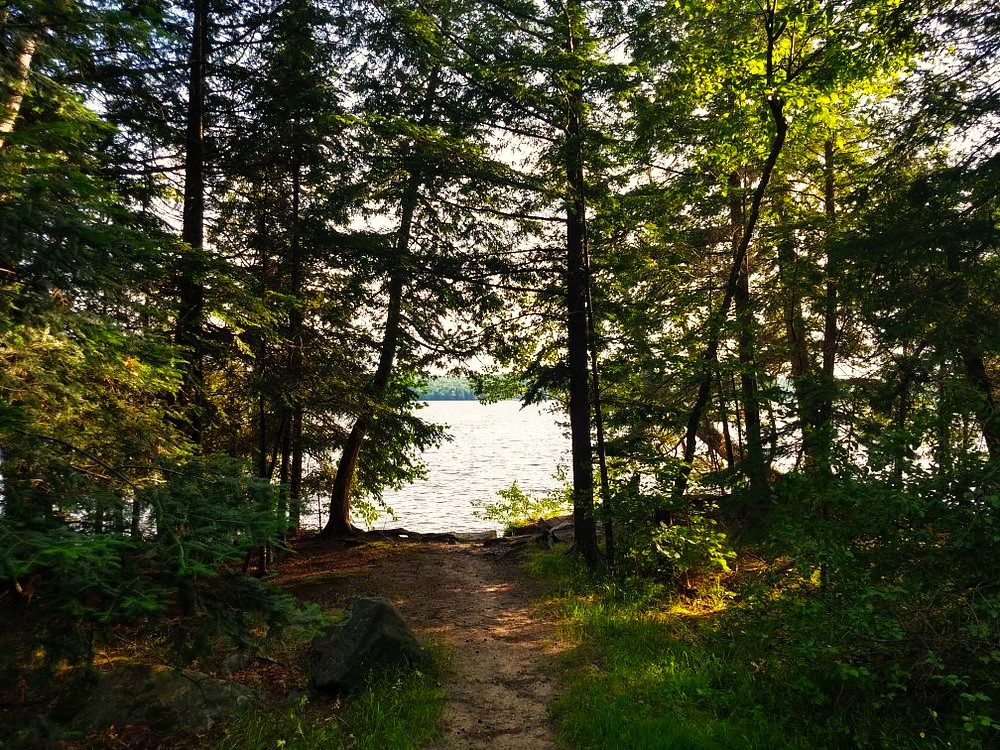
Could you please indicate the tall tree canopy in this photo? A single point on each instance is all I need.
(751, 248)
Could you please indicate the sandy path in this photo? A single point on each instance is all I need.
(499, 683)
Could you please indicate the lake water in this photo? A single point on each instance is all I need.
(493, 446)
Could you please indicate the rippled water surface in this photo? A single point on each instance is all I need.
(493, 445)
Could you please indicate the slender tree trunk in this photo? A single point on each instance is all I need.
(188, 335)
(602, 453)
(901, 414)
(295, 480)
(753, 459)
(716, 321)
(25, 46)
(814, 384)
(823, 418)
(943, 452)
(339, 520)
(585, 527)
(738, 415)
(286, 461)
(262, 467)
(800, 360)
(831, 331)
(260, 351)
(727, 438)
(297, 353)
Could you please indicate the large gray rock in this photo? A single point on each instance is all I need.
(164, 699)
(373, 637)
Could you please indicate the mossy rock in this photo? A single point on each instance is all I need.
(164, 699)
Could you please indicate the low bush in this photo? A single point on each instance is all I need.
(178, 571)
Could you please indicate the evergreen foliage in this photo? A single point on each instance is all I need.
(753, 250)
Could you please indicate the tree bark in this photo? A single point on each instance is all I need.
(339, 521)
(296, 324)
(576, 309)
(826, 391)
(602, 452)
(25, 46)
(814, 383)
(970, 353)
(752, 464)
(717, 319)
(796, 335)
(727, 439)
(188, 334)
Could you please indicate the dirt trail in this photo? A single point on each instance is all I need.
(499, 683)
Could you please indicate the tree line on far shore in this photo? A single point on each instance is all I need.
(447, 389)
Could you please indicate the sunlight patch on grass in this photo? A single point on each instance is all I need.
(652, 669)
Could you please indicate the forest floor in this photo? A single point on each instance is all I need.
(476, 602)
(471, 602)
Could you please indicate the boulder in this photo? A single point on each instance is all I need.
(374, 636)
(164, 699)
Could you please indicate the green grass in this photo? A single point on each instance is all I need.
(651, 671)
(642, 680)
(394, 712)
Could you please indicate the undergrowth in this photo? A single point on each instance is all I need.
(396, 711)
(517, 508)
(723, 670)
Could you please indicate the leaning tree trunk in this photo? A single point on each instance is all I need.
(776, 108)
(714, 338)
(339, 521)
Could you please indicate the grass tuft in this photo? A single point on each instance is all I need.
(395, 711)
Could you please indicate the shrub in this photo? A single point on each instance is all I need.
(203, 518)
(515, 507)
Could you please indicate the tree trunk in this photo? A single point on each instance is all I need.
(943, 452)
(727, 439)
(295, 481)
(714, 336)
(25, 46)
(339, 521)
(752, 464)
(814, 384)
(978, 377)
(188, 335)
(602, 452)
(297, 353)
(585, 527)
(823, 415)
(797, 337)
